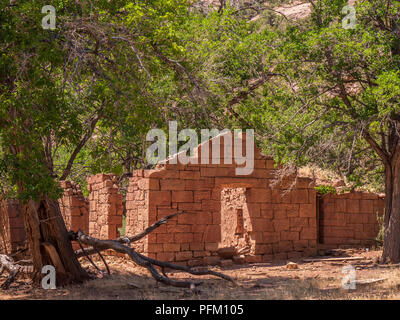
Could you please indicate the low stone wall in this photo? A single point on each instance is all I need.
(74, 207)
(350, 218)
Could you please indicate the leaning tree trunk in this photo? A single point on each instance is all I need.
(391, 246)
(49, 243)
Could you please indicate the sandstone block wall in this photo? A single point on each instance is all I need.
(278, 223)
(12, 229)
(252, 215)
(105, 206)
(74, 207)
(350, 218)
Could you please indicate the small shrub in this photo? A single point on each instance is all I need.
(326, 189)
(381, 234)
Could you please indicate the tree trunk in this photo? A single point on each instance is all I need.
(391, 247)
(48, 242)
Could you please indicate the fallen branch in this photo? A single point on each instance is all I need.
(7, 263)
(369, 281)
(146, 262)
(334, 259)
(128, 240)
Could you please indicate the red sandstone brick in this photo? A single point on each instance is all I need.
(212, 233)
(292, 210)
(254, 210)
(261, 174)
(201, 195)
(213, 260)
(171, 247)
(260, 164)
(307, 210)
(235, 182)
(271, 237)
(370, 229)
(256, 236)
(149, 184)
(160, 197)
(217, 172)
(164, 211)
(184, 237)
(178, 228)
(197, 254)
(165, 256)
(267, 213)
(270, 164)
(340, 205)
(189, 175)
(210, 205)
(367, 206)
(260, 224)
(196, 246)
(202, 184)
(281, 224)
(357, 218)
(198, 227)
(304, 183)
(300, 244)
(283, 246)
(289, 235)
(183, 255)
(339, 232)
(189, 206)
(165, 237)
(276, 196)
(280, 213)
(116, 220)
(182, 196)
(187, 218)
(352, 205)
(369, 196)
(308, 234)
(172, 184)
(155, 247)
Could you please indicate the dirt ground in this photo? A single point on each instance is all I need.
(312, 280)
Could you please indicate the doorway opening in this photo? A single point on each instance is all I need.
(235, 222)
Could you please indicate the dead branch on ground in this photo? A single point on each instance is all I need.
(13, 268)
(146, 262)
(122, 245)
(129, 240)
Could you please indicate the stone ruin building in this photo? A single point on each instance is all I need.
(246, 218)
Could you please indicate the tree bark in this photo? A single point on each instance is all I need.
(49, 243)
(391, 247)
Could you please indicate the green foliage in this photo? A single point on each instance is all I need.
(79, 100)
(381, 234)
(326, 189)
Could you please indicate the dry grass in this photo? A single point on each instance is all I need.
(317, 280)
